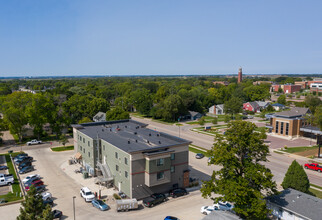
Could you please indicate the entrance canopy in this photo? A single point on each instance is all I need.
(78, 156)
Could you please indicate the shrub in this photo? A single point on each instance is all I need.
(214, 121)
(117, 197)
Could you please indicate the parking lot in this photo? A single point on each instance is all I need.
(4, 189)
(63, 183)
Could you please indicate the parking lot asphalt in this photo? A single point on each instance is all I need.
(4, 189)
(63, 183)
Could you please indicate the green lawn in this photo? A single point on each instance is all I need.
(316, 186)
(299, 149)
(58, 149)
(11, 196)
(317, 193)
(196, 150)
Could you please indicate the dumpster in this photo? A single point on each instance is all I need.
(85, 174)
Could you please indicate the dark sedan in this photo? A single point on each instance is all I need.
(178, 192)
(199, 155)
(26, 169)
(3, 167)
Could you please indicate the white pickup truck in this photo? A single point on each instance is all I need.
(32, 142)
(6, 179)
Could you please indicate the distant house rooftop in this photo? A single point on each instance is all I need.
(298, 203)
(129, 135)
(293, 113)
(278, 105)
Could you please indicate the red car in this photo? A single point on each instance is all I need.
(35, 183)
(313, 166)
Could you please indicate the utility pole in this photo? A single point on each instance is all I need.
(74, 206)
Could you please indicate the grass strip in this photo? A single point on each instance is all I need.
(316, 186)
(317, 193)
(298, 149)
(58, 149)
(196, 150)
(11, 196)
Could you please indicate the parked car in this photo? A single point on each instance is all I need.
(19, 156)
(86, 194)
(100, 204)
(154, 199)
(313, 166)
(224, 206)
(206, 210)
(46, 195)
(6, 179)
(31, 177)
(171, 218)
(24, 164)
(30, 181)
(35, 141)
(26, 169)
(36, 183)
(199, 155)
(24, 159)
(48, 201)
(39, 188)
(178, 192)
(57, 214)
(3, 167)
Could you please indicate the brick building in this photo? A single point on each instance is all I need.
(288, 123)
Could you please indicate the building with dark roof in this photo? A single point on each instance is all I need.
(292, 204)
(137, 160)
(289, 123)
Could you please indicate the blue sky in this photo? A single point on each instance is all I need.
(76, 37)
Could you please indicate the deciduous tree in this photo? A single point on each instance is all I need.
(243, 179)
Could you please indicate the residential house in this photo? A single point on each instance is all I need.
(137, 160)
(256, 106)
(295, 205)
(195, 115)
(288, 123)
(216, 109)
(278, 106)
(221, 215)
(100, 116)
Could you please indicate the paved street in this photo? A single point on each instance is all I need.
(277, 163)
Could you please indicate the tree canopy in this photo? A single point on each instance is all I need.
(296, 178)
(243, 179)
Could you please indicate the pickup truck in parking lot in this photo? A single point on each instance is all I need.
(32, 142)
(313, 166)
(6, 179)
(154, 199)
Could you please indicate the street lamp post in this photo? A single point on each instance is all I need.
(74, 206)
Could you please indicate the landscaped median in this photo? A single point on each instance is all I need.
(301, 151)
(63, 148)
(13, 196)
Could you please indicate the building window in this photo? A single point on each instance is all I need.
(117, 167)
(276, 128)
(125, 160)
(80, 138)
(172, 169)
(160, 175)
(116, 155)
(160, 162)
(84, 150)
(80, 147)
(172, 156)
(103, 147)
(126, 174)
(282, 127)
(84, 140)
(89, 154)
(88, 144)
(286, 129)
